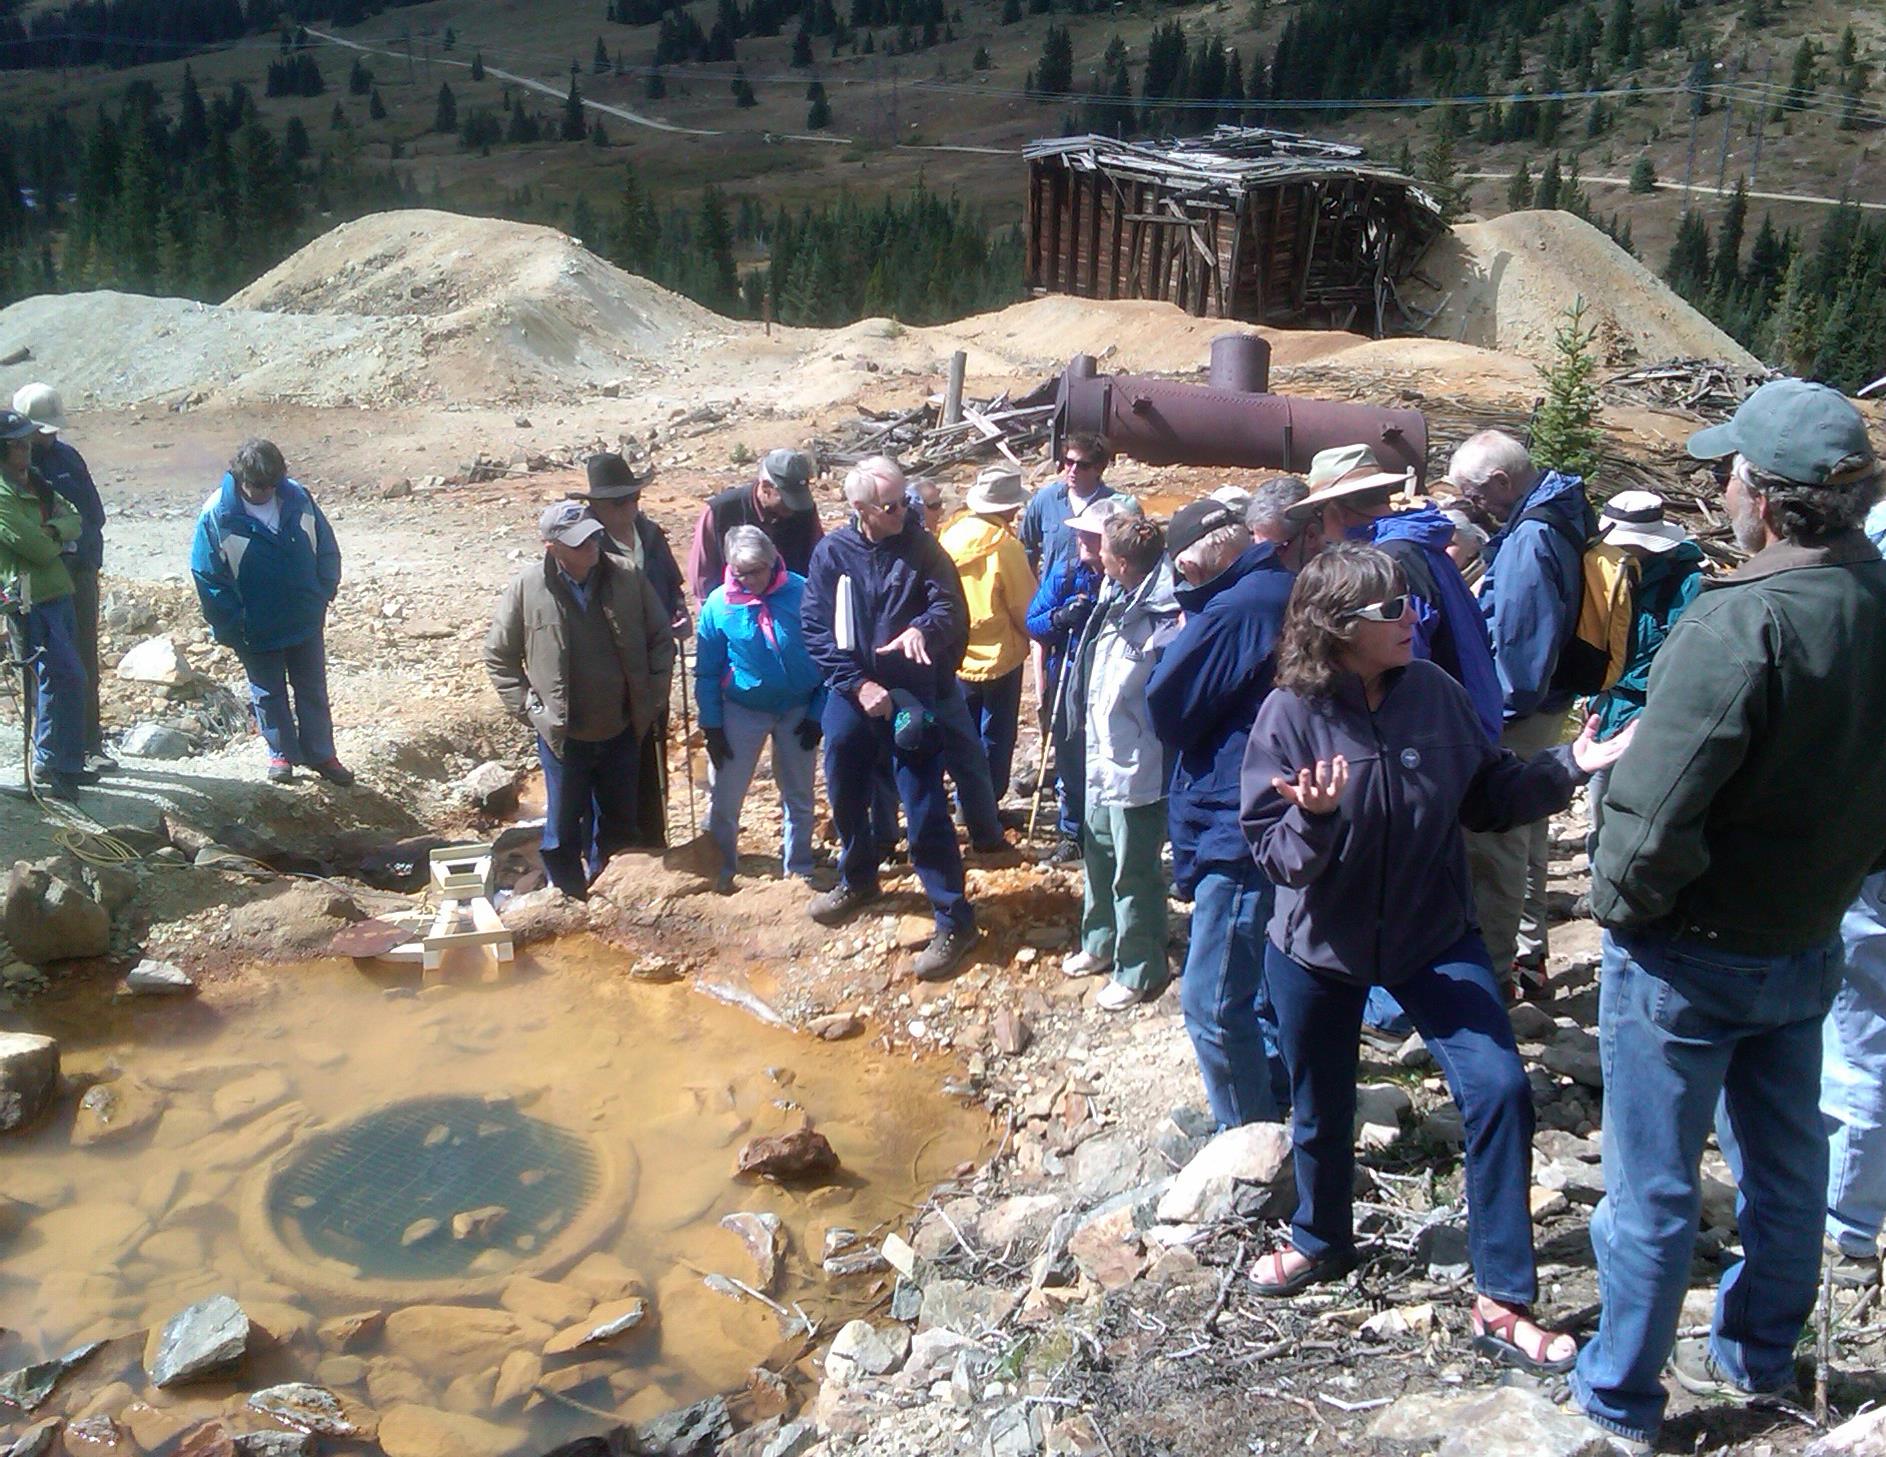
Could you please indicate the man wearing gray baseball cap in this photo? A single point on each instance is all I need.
(778, 500)
(1737, 829)
(581, 650)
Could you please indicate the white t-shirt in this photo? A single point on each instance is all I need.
(269, 512)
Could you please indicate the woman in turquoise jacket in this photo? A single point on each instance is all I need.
(755, 680)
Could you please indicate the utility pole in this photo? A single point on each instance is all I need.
(1728, 113)
(1761, 121)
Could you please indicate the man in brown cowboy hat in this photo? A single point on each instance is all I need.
(614, 496)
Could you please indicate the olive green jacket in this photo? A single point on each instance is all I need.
(1753, 800)
(32, 542)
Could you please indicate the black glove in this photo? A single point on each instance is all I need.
(719, 751)
(810, 732)
(1071, 613)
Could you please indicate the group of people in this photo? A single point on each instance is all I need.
(1334, 722)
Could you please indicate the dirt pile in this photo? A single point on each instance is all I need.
(1506, 285)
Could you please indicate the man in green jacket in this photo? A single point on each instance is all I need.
(1737, 829)
(35, 525)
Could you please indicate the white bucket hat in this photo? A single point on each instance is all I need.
(1635, 518)
(998, 490)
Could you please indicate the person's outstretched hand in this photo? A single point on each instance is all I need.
(1317, 791)
(1591, 755)
(910, 643)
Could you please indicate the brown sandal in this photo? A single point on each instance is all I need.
(1498, 1339)
(1331, 1267)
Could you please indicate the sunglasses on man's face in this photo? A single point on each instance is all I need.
(1393, 610)
(1078, 462)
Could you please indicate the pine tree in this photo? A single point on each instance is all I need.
(449, 40)
(980, 61)
(1727, 258)
(295, 143)
(599, 62)
(1548, 193)
(1688, 269)
(654, 86)
(1803, 77)
(478, 66)
(1011, 11)
(802, 48)
(1440, 170)
(1643, 176)
(359, 79)
(1618, 32)
(1565, 435)
(742, 89)
(445, 118)
(582, 221)
(575, 124)
(1794, 327)
(337, 119)
(1054, 72)
(1519, 187)
(715, 242)
(376, 108)
(819, 115)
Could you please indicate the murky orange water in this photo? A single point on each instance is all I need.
(662, 1085)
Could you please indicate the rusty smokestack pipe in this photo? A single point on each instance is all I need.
(1163, 422)
(1240, 362)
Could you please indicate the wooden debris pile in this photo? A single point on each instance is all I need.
(1004, 427)
(1705, 387)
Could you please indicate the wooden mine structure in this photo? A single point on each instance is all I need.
(1243, 223)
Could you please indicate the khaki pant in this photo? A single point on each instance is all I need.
(1509, 866)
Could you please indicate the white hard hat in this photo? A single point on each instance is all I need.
(40, 404)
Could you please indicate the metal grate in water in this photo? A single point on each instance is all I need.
(363, 1194)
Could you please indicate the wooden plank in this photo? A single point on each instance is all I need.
(1071, 238)
(1095, 203)
(1119, 225)
(1051, 262)
(485, 918)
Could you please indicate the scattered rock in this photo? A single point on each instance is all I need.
(794, 1439)
(309, 1408)
(94, 1434)
(275, 1444)
(1546, 1203)
(395, 488)
(863, 1261)
(1531, 1022)
(545, 1300)
(491, 787)
(957, 1305)
(1206, 1188)
(155, 741)
(29, 1075)
(345, 1332)
(1021, 1220)
(158, 979)
(47, 917)
(1573, 1053)
(1011, 1032)
(1404, 1320)
(764, 1240)
(297, 920)
(419, 1231)
(802, 1153)
(458, 1339)
(1508, 1421)
(1580, 1182)
(1444, 1248)
(244, 1097)
(1106, 1244)
(116, 1111)
(517, 1377)
(424, 1431)
(693, 1431)
(479, 1223)
(604, 1323)
(914, 931)
(35, 1441)
(835, 1026)
(156, 660)
(861, 1348)
(27, 1388)
(205, 1340)
(1015, 1431)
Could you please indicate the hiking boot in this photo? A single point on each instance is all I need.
(1066, 851)
(1696, 1370)
(941, 958)
(1851, 1272)
(99, 762)
(54, 785)
(1117, 996)
(335, 772)
(839, 904)
(280, 771)
(1384, 1039)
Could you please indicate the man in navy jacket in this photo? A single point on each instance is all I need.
(1204, 696)
(886, 622)
(266, 566)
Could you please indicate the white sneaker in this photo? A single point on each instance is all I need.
(1116, 997)
(1085, 963)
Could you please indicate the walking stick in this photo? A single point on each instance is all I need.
(1041, 761)
(687, 744)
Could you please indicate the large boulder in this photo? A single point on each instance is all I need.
(1206, 1189)
(29, 1074)
(298, 920)
(47, 917)
(156, 660)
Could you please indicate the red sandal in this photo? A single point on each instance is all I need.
(1332, 1266)
(1497, 1339)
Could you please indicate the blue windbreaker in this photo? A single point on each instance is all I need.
(1449, 630)
(1204, 696)
(734, 661)
(264, 590)
(65, 471)
(1072, 579)
(1532, 591)
(906, 580)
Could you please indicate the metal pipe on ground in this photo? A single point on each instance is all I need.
(1231, 420)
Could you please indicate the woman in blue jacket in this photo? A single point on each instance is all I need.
(1362, 768)
(755, 680)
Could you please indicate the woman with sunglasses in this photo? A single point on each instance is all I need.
(1362, 768)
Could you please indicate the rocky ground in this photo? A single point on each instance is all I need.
(1080, 1291)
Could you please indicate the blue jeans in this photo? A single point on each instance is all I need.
(1457, 1007)
(967, 764)
(995, 708)
(303, 734)
(1853, 1080)
(589, 806)
(1221, 991)
(855, 746)
(1685, 1026)
(747, 731)
(59, 676)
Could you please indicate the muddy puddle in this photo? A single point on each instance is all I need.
(490, 1165)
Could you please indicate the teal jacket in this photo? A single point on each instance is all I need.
(1669, 583)
(1746, 812)
(737, 659)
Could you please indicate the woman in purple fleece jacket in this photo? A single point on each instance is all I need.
(1361, 770)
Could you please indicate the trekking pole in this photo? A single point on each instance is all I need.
(1041, 759)
(687, 744)
(19, 657)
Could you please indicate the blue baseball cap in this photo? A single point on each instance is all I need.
(568, 523)
(1804, 433)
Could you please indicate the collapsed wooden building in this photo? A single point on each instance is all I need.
(1242, 223)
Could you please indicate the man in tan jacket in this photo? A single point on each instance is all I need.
(581, 650)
